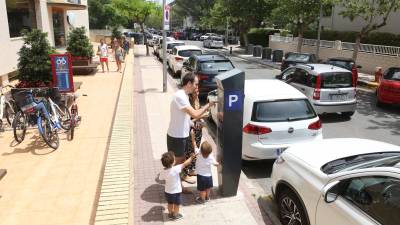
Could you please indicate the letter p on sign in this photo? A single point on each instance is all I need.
(232, 99)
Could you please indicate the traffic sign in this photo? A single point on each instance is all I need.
(166, 17)
(233, 100)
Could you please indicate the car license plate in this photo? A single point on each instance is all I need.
(279, 151)
(338, 97)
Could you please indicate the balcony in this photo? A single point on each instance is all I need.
(67, 4)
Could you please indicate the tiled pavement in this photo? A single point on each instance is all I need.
(151, 117)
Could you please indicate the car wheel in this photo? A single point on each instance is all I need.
(348, 114)
(291, 211)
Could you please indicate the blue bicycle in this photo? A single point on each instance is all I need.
(35, 113)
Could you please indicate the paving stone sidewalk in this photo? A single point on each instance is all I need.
(151, 118)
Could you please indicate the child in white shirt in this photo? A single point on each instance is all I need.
(173, 186)
(204, 162)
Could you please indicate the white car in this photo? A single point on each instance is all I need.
(153, 40)
(158, 44)
(213, 42)
(275, 116)
(180, 54)
(205, 36)
(170, 46)
(344, 181)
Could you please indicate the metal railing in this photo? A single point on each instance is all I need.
(367, 48)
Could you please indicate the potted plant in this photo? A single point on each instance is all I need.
(34, 66)
(79, 46)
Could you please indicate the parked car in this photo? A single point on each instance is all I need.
(179, 55)
(170, 46)
(159, 46)
(275, 117)
(206, 67)
(205, 36)
(388, 91)
(294, 58)
(213, 42)
(346, 63)
(329, 88)
(344, 181)
(158, 42)
(153, 40)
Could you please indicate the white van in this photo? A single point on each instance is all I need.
(275, 116)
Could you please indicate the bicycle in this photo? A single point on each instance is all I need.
(7, 107)
(75, 118)
(35, 113)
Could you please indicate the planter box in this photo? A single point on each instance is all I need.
(83, 65)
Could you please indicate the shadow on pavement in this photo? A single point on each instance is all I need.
(257, 169)
(155, 214)
(334, 118)
(153, 193)
(269, 209)
(35, 146)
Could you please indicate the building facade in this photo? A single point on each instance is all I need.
(55, 17)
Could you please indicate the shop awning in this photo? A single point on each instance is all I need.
(67, 4)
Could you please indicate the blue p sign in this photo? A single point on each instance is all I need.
(233, 100)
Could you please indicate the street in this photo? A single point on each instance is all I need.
(368, 122)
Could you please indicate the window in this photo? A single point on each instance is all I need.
(288, 73)
(188, 53)
(216, 66)
(337, 80)
(21, 15)
(392, 74)
(300, 76)
(282, 110)
(377, 196)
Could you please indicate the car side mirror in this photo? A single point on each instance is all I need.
(359, 67)
(331, 191)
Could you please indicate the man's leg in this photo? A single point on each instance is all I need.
(108, 70)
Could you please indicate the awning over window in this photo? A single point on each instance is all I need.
(67, 4)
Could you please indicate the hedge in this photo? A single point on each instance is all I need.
(376, 38)
(260, 36)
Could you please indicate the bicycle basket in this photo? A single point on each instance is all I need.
(24, 100)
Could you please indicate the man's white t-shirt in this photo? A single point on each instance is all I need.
(172, 179)
(179, 123)
(203, 165)
(103, 50)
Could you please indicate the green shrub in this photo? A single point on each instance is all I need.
(34, 64)
(78, 44)
(260, 36)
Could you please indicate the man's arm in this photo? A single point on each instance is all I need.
(197, 113)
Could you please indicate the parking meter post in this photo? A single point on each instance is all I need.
(229, 130)
(230, 50)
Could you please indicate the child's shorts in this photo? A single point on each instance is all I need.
(204, 183)
(173, 198)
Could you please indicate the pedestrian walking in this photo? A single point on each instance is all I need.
(180, 113)
(173, 187)
(119, 57)
(125, 46)
(102, 52)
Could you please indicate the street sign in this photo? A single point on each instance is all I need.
(61, 66)
(233, 100)
(166, 17)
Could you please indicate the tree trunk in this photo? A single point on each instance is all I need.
(356, 47)
(243, 34)
(145, 39)
(300, 38)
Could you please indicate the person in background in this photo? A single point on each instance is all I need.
(102, 52)
(119, 57)
(125, 45)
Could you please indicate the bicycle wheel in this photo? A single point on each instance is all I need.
(10, 112)
(64, 117)
(20, 123)
(48, 133)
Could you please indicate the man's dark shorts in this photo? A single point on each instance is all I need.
(176, 145)
(173, 198)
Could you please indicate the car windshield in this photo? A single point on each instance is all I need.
(188, 53)
(298, 57)
(172, 45)
(216, 66)
(216, 39)
(392, 74)
(283, 110)
(348, 65)
(380, 159)
(337, 80)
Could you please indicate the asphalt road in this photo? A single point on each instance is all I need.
(369, 122)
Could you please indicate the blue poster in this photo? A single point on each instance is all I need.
(62, 73)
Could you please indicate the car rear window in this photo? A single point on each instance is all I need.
(348, 65)
(282, 110)
(188, 53)
(337, 80)
(298, 57)
(392, 74)
(216, 65)
(172, 45)
(216, 39)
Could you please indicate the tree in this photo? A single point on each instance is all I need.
(102, 14)
(155, 19)
(34, 67)
(300, 13)
(78, 44)
(374, 12)
(197, 9)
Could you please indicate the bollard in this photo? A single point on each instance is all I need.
(250, 49)
(257, 51)
(230, 50)
(277, 55)
(378, 74)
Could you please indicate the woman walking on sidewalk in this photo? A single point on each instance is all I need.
(119, 57)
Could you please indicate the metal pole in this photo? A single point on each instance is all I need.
(319, 30)
(226, 32)
(164, 50)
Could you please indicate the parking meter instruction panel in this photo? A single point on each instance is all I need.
(229, 129)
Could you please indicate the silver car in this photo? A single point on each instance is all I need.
(329, 88)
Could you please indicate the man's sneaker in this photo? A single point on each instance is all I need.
(199, 200)
(178, 216)
(171, 216)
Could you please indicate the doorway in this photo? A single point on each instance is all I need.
(58, 28)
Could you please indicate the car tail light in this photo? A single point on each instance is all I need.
(178, 59)
(202, 76)
(315, 126)
(355, 74)
(317, 90)
(254, 129)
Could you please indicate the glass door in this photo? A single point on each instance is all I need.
(58, 28)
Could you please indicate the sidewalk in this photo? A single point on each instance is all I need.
(363, 78)
(151, 119)
(43, 186)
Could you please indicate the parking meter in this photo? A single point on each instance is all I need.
(229, 130)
